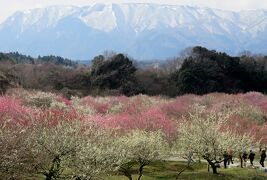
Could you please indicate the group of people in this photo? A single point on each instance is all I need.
(228, 157)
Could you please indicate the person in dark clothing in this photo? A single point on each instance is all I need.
(230, 157)
(245, 157)
(225, 159)
(263, 156)
(251, 157)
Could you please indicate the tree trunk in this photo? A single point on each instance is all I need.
(189, 162)
(241, 161)
(128, 175)
(54, 169)
(177, 176)
(48, 176)
(127, 172)
(213, 166)
(214, 169)
(141, 171)
(199, 159)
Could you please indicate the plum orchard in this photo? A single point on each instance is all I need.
(43, 135)
(76, 150)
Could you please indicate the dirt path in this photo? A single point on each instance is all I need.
(248, 165)
(234, 165)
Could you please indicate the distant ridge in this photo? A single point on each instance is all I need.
(17, 58)
(143, 31)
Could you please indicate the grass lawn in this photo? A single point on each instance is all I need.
(168, 171)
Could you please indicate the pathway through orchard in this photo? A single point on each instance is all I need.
(255, 166)
(234, 165)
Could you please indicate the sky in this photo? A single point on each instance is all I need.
(8, 7)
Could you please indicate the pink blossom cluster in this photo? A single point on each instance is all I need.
(140, 112)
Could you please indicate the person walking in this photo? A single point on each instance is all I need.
(245, 157)
(230, 157)
(225, 159)
(251, 157)
(263, 156)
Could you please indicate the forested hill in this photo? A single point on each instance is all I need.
(198, 71)
(17, 58)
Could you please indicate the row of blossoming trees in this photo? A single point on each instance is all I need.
(46, 135)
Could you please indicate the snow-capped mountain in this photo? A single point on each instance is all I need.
(144, 31)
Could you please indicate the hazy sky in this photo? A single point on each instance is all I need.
(7, 7)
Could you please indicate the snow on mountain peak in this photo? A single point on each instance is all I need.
(100, 17)
(106, 17)
(41, 17)
(142, 30)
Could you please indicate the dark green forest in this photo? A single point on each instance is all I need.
(196, 71)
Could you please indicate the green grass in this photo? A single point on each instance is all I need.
(169, 170)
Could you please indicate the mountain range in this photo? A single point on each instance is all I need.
(143, 31)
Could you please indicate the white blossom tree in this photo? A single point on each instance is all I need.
(14, 150)
(96, 154)
(79, 150)
(55, 147)
(139, 147)
(244, 142)
(204, 134)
